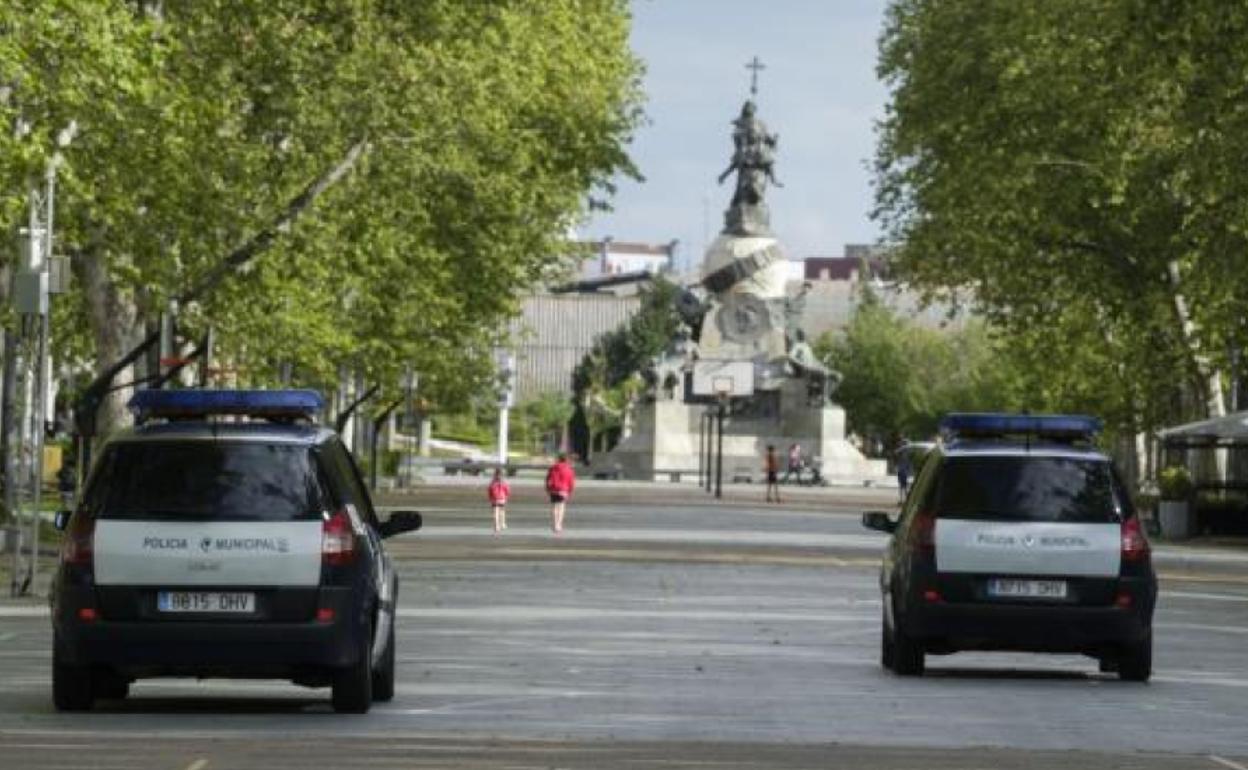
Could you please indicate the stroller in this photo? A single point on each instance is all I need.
(808, 474)
(813, 474)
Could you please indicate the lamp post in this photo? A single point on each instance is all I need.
(719, 444)
(506, 400)
(411, 380)
(33, 285)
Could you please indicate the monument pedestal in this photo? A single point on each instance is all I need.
(665, 438)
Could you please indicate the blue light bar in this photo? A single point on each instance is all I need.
(276, 404)
(1055, 426)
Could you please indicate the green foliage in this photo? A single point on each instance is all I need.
(1071, 166)
(899, 379)
(540, 419)
(608, 378)
(488, 128)
(1175, 483)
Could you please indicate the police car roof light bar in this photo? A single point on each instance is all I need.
(200, 404)
(1058, 427)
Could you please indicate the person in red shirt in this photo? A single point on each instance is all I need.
(560, 481)
(498, 493)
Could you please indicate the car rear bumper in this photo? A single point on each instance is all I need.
(210, 647)
(1021, 627)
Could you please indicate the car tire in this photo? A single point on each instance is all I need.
(353, 685)
(1136, 662)
(908, 655)
(1108, 664)
(888, 648)
(383, 675)
(72, 686)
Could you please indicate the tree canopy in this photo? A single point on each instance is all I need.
(459, 142)
(1071, 166)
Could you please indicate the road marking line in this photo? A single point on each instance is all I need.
(1207, 596)
(198, 764)
(1227, 762)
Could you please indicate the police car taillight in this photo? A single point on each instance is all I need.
(1134, 544)
(78, 547)
(338, 539)
(925, 533)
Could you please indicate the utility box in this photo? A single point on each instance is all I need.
(30, 293)
(59, 275)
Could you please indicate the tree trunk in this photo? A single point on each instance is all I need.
(1209, 379)
(114, 321)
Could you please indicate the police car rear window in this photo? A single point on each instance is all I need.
(206, 480)
(1027, 488)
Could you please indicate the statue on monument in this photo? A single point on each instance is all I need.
(753, 158)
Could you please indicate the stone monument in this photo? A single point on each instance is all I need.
(742, 349)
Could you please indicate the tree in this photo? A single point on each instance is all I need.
(1066, 163)
(899, 379)
(460, 140)
(609, 377)
(542, 417)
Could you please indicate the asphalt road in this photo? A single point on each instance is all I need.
(665, 630)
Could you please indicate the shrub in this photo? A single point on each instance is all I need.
(1174, 483)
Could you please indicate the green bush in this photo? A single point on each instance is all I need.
(1174, 483)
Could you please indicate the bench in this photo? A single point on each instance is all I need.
(476, 468)
(674, 474)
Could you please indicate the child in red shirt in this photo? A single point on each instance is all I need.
(498, 493)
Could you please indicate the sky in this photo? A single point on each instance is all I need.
(818, 92)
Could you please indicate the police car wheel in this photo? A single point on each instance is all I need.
(888, 650)
(1136, 662)
(353, 685)
(71, 686)
(383, 675)
(908, 656)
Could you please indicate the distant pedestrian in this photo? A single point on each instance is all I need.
(560, 481)
(903, 473)
(498, 493)
(795, 463)
(772, 467)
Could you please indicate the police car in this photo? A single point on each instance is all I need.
(1017, 535)
(243, 547)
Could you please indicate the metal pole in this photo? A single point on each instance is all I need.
(701, 445)
(710, 438)
(710, 450)
(504, 405)
(719, 455)
(41, 381)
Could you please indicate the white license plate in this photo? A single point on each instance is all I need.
(205, 601)
(1027, 589)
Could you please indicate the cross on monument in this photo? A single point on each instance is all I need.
(755, 66)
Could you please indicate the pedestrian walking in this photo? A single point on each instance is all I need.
(795, 463)
(903, 473)
(772, 467)
(560, 481)
(498, 493)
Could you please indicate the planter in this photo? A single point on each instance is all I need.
(1175, 517)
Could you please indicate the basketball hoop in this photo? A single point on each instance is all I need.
(722, 387)
(171, 361)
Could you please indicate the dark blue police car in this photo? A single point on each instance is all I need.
(1017, 535)
(243, 547)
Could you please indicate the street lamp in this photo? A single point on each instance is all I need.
(40, 275)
